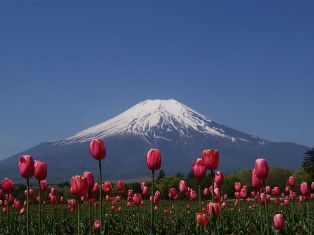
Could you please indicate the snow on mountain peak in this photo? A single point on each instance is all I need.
(152, 118)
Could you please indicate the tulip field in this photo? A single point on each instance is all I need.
(97, 206)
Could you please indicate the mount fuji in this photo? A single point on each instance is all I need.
(178, 131)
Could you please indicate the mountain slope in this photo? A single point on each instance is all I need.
(180, 132)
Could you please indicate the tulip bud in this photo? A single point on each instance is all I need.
(97, 225)
(153, 159)
(219, 178)
(198, 168)
(40, 172)
(210, 158)
(202, 219)
(261, 168)
(7, 185)
(97, 149)
(279, 221)
(26, 166)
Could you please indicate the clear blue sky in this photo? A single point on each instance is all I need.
(67, 65)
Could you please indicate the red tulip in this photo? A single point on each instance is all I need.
(137, 199)
(145, 191)
(95, 188)
(261, 168)
(97, 225)
(53, 191)
(172, 193)
(7, 185)
(183, 186)
(26, 166)
(107, 187)
(211, 158)
(157, 196)
(279, 221)
(206, 192)
(213, 208)
(72, 204)
(243, 193)
(166, 212)
(90, 179)
(192, 195)
(40, 170)
(120, 187)
(79, 186)
(305, 189)
(312, 186)
(198, 168)
(43, 185)
(97, 149)
(237, 186)
(202, 219)
(153, 159)
(275, 191)
(256, 182)
(219, 178)
(291, 181)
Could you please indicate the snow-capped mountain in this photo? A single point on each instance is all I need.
(178, 131)
(157, 119)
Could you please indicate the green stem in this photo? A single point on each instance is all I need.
(78, 215)
(27, 205)
(39, 208)
(100, 193)
(152, 205)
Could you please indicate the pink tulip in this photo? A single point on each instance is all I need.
(237, 186)
(43, 185)
(243, 193)
(312, 186)
(291, 181)
(198, 168)
(206, 192)
(143, 184)
(90, 180)
(40, 170)
(72, 204)
(157, 196)
(97, 225)
(192, 195)
(183, 186)
(120, 187)
(79, 186)
(53, 191)
(97, 149)
(279, 221)
(153, 159)
(145, 191)
(219, 178)
(210, 158)
(276, 191)
(256, 182)
(107, 187)
(137, 199)
(305, 189)
(261, 167)
(7, 185)
(26, 166)
(213, 208)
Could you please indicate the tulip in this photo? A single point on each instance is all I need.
(261, 168)
(219, 178)
(291, 181)
(137, 199)
(183, 186)
(143, 184)
(79, 186)
(279, 221)
(213, 207)
(243, 193)
(210, 158)
(304, 188)
(192, 195)
(202, 219)
(199, 169)
(256, 182)
(206, 192)
(107, 187)
(157, 196)
(72, 204)
(312, 186)
(166, 212)
(276, 191)
(43, 185)
(153, 161)
(40, 171)
(145, 191)
(7, 185)
(237, 186)
(98, 151)
(172, 193)
(26, 167)
(120, 187)
(97, 225)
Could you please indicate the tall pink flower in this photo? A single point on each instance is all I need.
(198, 168)
(291, 181)
(43, 185)
(26, 166)
(79, 186)
(7, 185)
(90, 180)
(183, 186)
(40, 170)
(256, 182)
(261, 168)
(279, 221)
(237, 186)
(210, 158)
(153, 159)
(219, 178)
(97, 149)
(137, 199)
(305, 189)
